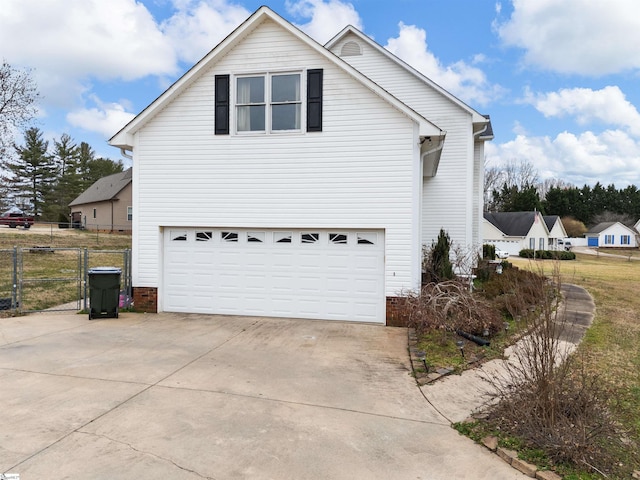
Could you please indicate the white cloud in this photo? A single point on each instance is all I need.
(79, 38)
(608, 105)
(576, 36)
(199, 25)
(465, 81)
(105, 118)
(610, 157)
(327, 18)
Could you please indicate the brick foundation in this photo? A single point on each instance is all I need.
(395, 317)
(145, 299)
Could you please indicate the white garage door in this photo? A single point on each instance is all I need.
(324, 274)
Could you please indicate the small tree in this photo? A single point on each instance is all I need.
(437, 262)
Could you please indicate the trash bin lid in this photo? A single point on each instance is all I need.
(103, 270)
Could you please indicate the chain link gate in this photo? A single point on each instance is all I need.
(56, 279)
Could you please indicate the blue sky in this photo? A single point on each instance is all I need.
(561, 80)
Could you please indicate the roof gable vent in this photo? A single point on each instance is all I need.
(350, 48)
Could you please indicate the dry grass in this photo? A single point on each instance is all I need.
(50, 278)
(611, 347)
(52, 236)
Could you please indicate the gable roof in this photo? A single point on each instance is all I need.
(550, 220)
(601, 227)
(124, 138)
(477, 117)
(513, 224)
(105, 189)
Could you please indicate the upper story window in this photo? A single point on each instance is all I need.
(269, 102)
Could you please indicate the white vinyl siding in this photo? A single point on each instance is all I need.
(358, 173)
(454, 182)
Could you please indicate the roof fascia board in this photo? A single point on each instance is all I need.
(477, 117)
(124, 138)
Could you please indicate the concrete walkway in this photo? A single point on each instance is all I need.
(457, 397)
(215, 397)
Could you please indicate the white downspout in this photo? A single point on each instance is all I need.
(123, 152)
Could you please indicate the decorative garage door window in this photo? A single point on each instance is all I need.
(310, 237)
(178, 236)
(282, 237)
(255, 237)
(205, 236)
(368, 238)
(230, 237)
(338, 238)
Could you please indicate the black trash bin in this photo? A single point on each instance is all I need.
(104, 292)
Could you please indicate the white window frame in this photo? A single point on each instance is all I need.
(269, 103)
(609, 239)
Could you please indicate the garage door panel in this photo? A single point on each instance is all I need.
(337, 275)
(282, 284)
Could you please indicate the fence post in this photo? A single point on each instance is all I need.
(84, 277)
(14, 280)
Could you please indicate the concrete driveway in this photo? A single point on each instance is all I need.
(193, 396)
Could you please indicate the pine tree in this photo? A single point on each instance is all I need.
(67, 185)
(32, 172)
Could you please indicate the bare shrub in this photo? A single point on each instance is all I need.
(450, 306)
(545, 398)
(515, 292)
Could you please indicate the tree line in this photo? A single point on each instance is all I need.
(42, 179)
(516, 187)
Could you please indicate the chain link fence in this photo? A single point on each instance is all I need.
(44, 278)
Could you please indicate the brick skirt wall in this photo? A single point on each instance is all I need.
(145, 299)
(395, 316)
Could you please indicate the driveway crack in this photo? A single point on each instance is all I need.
(144, 452)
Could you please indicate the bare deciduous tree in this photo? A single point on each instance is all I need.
(18, 98)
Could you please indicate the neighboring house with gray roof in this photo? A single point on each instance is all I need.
(557, 233)
(612, 234)
(515, 231)
(105, 205)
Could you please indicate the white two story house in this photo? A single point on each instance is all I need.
(281, 177)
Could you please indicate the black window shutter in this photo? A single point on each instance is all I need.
(222, 105)
(314, 100)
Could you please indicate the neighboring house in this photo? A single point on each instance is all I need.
(280, 177)
(556, 230)
(515, 231)
(637, 226)
(105, 205)
(611, 234)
